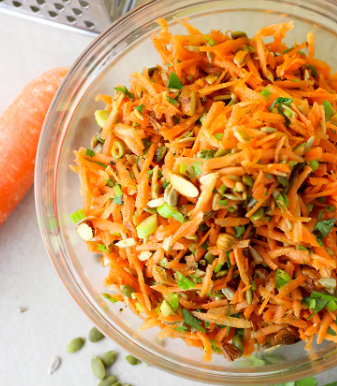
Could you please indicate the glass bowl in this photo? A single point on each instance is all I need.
(108, 61)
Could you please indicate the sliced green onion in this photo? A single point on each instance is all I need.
(166, 309)
(101, 117)
(219, 136)
(117, 150)
(168, 211)
(118, 190)
(147, 227)
(77, 216)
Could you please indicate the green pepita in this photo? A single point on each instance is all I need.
(97, 367)
(109, 358)
(132, 360)
(127, 290)
(108, 381)
(75, 345)
(237, 342)
(95, 335)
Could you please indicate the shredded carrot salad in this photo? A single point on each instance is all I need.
(211, 191)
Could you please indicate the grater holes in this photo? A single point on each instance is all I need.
(17, 4)
(35, 9)
(84, 4)
(89, 24)
(53, 14)
(71, 19)
(41, 2)
(77, 12)
(59, 6)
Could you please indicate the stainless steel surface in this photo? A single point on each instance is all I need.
(91, 16)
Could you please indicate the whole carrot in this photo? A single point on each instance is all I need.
(20, 127)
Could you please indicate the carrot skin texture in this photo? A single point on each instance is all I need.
(20, 127)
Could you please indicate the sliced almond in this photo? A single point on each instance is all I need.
(144, 255)
(85, 230)
(130, 242)
(183, 186)
(156, 202)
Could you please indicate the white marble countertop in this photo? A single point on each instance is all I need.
(30, 340)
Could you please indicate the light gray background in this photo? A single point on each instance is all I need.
(29, 341)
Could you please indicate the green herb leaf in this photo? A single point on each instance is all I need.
(125, 91)
(165, 184)
(181, 328)
(174, 81)
(173, 101)
(184, 283)
(90, 153)
(174, 301)
(214, 347)
(324, 227)
(248, 48)
(140, 108)
(134, 124)
(109, 297)
(191, 321)
(266, 93)
(196, 168)
(311, 381)
(281, 101)
(77, 216)
(317, 301)
(281, 278)
(160, 174)
(101, 247)
(328, 109)
(239, 231)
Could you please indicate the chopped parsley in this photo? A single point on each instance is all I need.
(281, 278)
(139, 108)
(239, 231)
(125, 91)
(89, 153)
(324, 227)
(174, 81)
(191, 321)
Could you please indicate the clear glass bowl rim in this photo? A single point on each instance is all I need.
(49, 148)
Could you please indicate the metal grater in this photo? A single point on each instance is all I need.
(90, 16)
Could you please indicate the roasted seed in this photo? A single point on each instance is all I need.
(75, 345)
(237, 342)
(97, 367)
(132, 360)
(230, 352)
(222, 97)
(156, 202)
(110, 380)
(240, 187)
(95, 335)
(247, 180)
(238, 34)
(255, 255)
(127, 290)
(109, 358)
(139, 115)
(144, 255)
(130, 242)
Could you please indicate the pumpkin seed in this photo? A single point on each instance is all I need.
(159, 154)
(95, 335)
(75, 345)
(211, 78)
(97, 367)
(222, 97)
(109, 358)
(187, 139)
(22, 309)
(238, 34)
(55, 364)
(108, 381)
(132, 360)
(171, 196)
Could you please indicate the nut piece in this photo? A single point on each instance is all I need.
(156, 202)
(226, 242)
(182, 185)
(230, 352)
(287, 336)
(160, 275)
(85, 230)
(144, 255)
(215, 204)
(131, 242)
